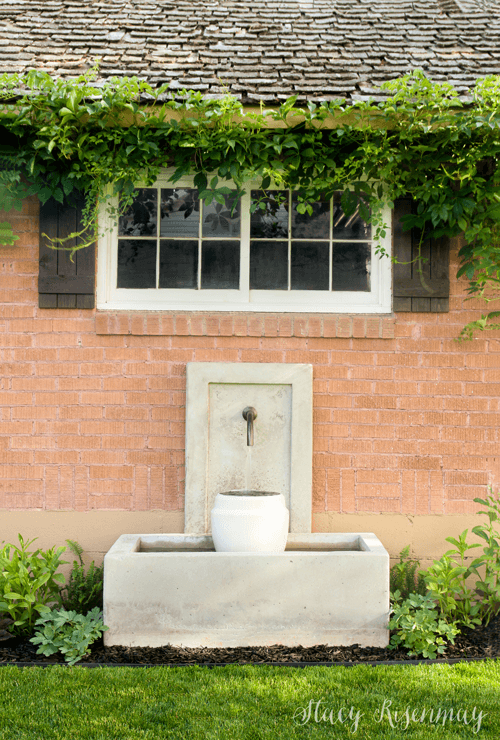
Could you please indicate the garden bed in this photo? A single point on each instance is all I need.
(481, 643)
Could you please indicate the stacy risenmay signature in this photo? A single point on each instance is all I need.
(317, 711)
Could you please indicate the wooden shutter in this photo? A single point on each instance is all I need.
(61, 282)
(411, 290)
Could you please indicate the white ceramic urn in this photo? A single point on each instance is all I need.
(250, 521)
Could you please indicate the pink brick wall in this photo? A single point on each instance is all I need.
(92, 405)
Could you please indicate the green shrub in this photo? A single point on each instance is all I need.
(83, 591)
(455, 591)
(446, 581)
(404, 576)
(28, 583)
(488, 585)
(418, 627)
(68, 633)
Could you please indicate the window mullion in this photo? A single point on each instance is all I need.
(330, 248)
(246, 202)
(200, 242)
(290, 202)
(158, 231)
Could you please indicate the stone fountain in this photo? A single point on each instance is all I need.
(324, 588)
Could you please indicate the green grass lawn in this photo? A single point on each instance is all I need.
(250, 702)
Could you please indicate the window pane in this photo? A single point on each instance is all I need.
(309, 265)
(136, 263)
(316, 226)
(222, 220)
(351, 266)
(178, 263)
(220, 264)
(268, 265)
(140, 218)
(179, 212)
(271, 220)
(348, 227)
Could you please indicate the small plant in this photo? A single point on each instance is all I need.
(68, 633)
(418, 627)
(83, 591)
(28, 583)
(450, 601)
(446, 581)
(449, 577)
(488, 585)
(404, 577)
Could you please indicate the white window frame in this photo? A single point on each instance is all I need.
(378, 300)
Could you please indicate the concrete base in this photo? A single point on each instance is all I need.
(324, 589)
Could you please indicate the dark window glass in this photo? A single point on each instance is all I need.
(136, 263)
(179, 212)
(351, 266)
(348, 227)
(178, 263)
(268, 265)
(270, 219)
(222, 219)
(140, 218)
(309, 266)
(220, 264)
(316, 226)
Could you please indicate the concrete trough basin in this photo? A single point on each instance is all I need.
(174, 588)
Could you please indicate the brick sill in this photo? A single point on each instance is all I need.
(243, 325)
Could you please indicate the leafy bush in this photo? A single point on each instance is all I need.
(488, 585)
(418, 627)
(404, 577)
(83, 591)
(68, 633)
(451, 600)
(446, 581)
(28, 583)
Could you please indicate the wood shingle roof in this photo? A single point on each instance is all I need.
(257, 49)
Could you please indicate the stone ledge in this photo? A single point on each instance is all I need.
(244, 325)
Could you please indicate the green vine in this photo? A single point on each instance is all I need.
(60, 136)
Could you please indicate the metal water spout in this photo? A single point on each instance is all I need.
(249, 414)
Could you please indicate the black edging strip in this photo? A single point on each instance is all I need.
(350, 664)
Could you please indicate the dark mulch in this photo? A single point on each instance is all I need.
(483, 642)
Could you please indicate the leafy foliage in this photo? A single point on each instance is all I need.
(455, 591)
(423, 140)
(83, 592)
(68, 633)
(11, 191)
(447, 584)
(488, 580)
(28, 583)
(7, 236)
(404, 577)
(468, 590)
(419, 627)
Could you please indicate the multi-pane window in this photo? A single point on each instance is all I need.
(293, 251)
(168, 238)
(172, 250)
